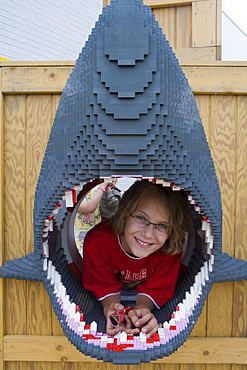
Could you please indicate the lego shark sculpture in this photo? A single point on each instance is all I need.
(127, 110)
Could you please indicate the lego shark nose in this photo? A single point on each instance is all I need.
(126, 53)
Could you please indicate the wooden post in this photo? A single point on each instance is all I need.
(2, 327)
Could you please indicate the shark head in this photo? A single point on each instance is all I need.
(127, 110)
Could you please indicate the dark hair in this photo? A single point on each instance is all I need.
(175, 203)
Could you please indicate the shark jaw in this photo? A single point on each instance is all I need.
(75, 307)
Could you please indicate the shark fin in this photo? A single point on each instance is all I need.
(23, 268)
(231, 269)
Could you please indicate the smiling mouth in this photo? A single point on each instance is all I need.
(143, 244)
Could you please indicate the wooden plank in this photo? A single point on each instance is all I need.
(41, 348)
(237, 367)
(14, 162)
(2, 306)
(160, 3)
(15, 306)
(220, 310)
(214, 64)
(224, 118)
(204, 106)
(14, 209)
(207, 53)
(240, 308)
(54, 102)
(191, 367)
(223, 148)
(193, 63)
(56, 327)
(1, 171)
(34, 80)
(240, 288)
(167, 21)
(38, 312)
(219, 78)
(222, 295)
(38, 126)
(219, 23)
(184, 27)
(164, 3)
(37, 63)
(39, 120)
(200, 328)
(220, 367)
(204, 23)
(58, 349)
(241, 181)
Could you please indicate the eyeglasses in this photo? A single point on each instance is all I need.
(143, 222)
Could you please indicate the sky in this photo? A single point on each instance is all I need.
(237, 11)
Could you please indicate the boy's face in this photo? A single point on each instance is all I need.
(140, 240)
(113, 183)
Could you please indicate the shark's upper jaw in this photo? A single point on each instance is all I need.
(81, 316)
(127, 110)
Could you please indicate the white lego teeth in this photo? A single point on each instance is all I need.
(179, 318)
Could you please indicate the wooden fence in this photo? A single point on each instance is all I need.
(30, 335)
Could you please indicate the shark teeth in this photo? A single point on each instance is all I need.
(181, 316)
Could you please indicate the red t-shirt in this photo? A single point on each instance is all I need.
(107, 268)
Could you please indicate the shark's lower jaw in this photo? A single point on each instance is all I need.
(81, 316)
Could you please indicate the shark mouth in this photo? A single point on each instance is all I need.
(81, 316)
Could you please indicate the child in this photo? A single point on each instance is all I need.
(141, 245)
(88, 214)
(110, 200)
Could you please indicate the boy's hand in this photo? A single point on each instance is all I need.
(126, 326)
(143, 319)
(139, 319)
